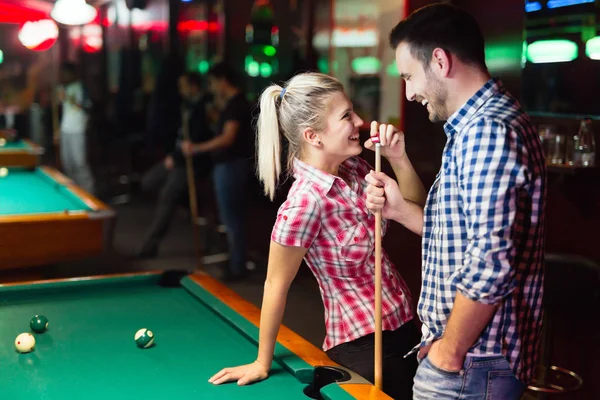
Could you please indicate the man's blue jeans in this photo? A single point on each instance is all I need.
(231, 183)
(482, 378)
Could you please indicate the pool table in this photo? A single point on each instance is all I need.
(45, 219)
(200, 326)
(22, 153)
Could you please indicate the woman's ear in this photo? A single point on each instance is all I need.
(312, 137)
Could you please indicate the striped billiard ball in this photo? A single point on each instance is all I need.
(144, 338)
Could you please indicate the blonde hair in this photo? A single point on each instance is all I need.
(289, 111)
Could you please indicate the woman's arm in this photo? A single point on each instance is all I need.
(284, 262)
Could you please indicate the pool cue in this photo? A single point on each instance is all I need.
(191, 185)
(378, 325)
(55, 116)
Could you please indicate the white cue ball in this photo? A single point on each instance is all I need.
(25, 342)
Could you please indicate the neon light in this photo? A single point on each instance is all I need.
(533, 6)
(203, 67)
(269, 51)
(566, 3)
(265, 70)
(253, 69)
(347, 38)
(552, 51)
(592, 48)
(38, 35)
(503, 55)
(392, 70)
(366, 65)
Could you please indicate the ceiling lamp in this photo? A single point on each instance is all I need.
(73, 12)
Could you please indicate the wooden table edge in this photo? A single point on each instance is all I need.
(99, 209)
(286, 337)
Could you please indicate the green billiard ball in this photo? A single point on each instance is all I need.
(39, 323)
(144, 338)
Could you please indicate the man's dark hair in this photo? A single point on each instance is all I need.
(194, 79)
(224, 71)
(441, 26)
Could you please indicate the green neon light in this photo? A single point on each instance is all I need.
(592, 48)
(323, 65)
(552, 51)
(1, 56)
(392, 70)
(270, 51)
(503, 55)
(366, 65)
(253, 69)
(203, 67)
(265, 70)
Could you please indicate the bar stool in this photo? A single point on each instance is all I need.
(562, 293)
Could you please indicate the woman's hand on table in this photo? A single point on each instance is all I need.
(244, 374)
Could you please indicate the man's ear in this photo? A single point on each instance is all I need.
(441, 62)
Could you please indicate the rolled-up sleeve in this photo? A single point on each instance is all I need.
(490, 177)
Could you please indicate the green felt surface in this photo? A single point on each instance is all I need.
(31, 192)
(12, 146)
(89, 351)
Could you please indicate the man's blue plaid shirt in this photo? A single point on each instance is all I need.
(483, 233)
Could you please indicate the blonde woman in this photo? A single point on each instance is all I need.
(325, 222)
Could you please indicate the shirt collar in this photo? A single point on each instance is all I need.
(461, 117)
(322, 179)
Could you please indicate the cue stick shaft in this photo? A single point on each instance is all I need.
(378, 336)
(191, 185)
(54, 94)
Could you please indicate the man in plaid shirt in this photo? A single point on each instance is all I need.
(483, 222)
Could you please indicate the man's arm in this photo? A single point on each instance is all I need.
(384, 195)
(466, 322)
(409, 182)
(224, 140)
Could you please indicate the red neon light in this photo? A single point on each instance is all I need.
(38, 35)
(17, 14)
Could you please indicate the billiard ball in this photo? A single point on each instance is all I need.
(25, 342)
(2, 142)
(3, 172)
(144, 338)
(39, 324)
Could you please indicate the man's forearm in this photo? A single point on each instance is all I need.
(216, 143)
(411, 217)
(409, 182)
(466, 322)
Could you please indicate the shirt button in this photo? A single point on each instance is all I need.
(355, 239)
(285, 217)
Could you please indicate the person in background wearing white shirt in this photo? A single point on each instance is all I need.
(73, 128)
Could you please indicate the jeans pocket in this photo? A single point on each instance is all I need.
(443, 371)
(503, 385)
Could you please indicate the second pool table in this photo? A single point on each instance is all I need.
(45, 218)
(21, 153)
(200, 326)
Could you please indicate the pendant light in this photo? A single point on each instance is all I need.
(73, 12)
